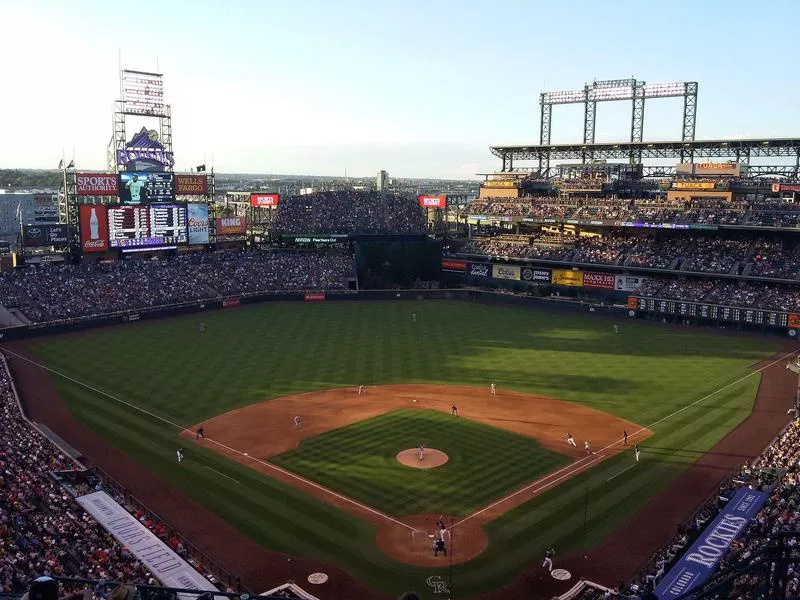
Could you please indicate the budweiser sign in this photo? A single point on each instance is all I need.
(96, 184)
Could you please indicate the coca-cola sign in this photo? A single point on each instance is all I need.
(96, 184)
(94, 228)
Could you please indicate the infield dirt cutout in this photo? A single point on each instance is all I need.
(430, 459)
(254, 433)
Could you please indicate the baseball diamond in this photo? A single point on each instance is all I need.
(330, 489)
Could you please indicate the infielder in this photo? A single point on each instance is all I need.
(548, 559)
(494, 390)
(361, 390)
(201, 433)
(586, 447)
(454, 410)
(421, 450)
(179, 454)
(571, 440)
(624, 437)
(297, 422)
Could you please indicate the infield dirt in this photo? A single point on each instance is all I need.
(253, 434)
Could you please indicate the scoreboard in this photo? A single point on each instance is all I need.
(147, 226)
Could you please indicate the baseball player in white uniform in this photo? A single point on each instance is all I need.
(548, 559)
(571, 440)
(494, 390)
(586, 447)
(636, 452)
(421, 450)
(179, 454)
(297, 422)
(360, 390)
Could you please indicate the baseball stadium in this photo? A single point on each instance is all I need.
(580, 382)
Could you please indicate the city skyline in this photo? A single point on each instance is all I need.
(418, 89)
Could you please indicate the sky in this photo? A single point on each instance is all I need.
(419, 88)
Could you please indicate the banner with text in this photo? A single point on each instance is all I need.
(604, 281)
(166, 566)
(198, 222)
(535, 275)
(453, 265)
(96, 184)
(506, 272)
(94, 228)
(628, 283)
(45, 235)
(433, 201)
(191, 185)
(479, 270)
(230, 226)
(567, 278)
(701, 558)
(262, 200)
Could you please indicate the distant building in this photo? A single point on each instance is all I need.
(381, 183)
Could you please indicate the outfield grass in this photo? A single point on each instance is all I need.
(643, 374)
(359, 460)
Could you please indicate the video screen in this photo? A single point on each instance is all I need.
(147, 226)
(145, 187)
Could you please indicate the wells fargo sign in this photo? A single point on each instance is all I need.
(191, 185)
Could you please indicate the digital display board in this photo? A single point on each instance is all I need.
(144, 187)
(147, 226)
(260, 199)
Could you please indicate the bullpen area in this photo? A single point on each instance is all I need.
(341, 484)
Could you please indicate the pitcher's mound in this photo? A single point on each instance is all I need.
(430, 460)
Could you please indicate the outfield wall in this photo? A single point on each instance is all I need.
(559, 304)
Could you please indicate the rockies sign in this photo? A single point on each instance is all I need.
(535, 275)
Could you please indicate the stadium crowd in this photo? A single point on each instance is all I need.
(59, 292)
(43, 531)
(350, 212)
(776, 471)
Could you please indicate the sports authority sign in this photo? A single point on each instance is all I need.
(96, 184)
(94, 228)
(433, 201)
(701, 559)
(264, 199)
(605, 281)
(191, 185)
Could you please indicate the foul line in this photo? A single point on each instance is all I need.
(223, 474)
(611, 445)
(621, 472)
(233, 450)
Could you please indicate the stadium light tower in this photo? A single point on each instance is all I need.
(618, 90)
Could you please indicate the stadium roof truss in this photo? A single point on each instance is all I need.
(685, 151)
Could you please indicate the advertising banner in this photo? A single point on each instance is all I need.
(230, 226)
(230, 302)
(701, 558)
(709, 168)
(793, 321)
(5, 247)
(785, 187)
(453, 265)
(433, 201)
(198, 222)
(264, 199)
(94, 228)
(166, 566)
(480, 270)
(567, 278)
(633, 303)
(314, 297)
(535, 275)
(693, 185)
(45, 235)
(191, 185)
(506, 272)
(96, 184)
(605, 281)
(628, 283)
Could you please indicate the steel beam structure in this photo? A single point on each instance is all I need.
(740, 150)
(788, 171)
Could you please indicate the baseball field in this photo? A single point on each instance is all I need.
(332, 489)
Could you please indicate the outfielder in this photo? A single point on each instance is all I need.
(202, 327)
(636, 452)
(179, 454)
(571, 440)
(616, 328)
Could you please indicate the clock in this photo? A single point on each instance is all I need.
(152, 135)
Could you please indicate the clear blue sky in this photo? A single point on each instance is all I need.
(420, 88)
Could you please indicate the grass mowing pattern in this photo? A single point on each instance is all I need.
(359, 460)
(246, 355)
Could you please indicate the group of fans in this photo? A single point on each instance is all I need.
(347, 211)
(61, 292)
(778, 515)
(709, 211)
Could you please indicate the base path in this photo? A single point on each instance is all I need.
(253, 434)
